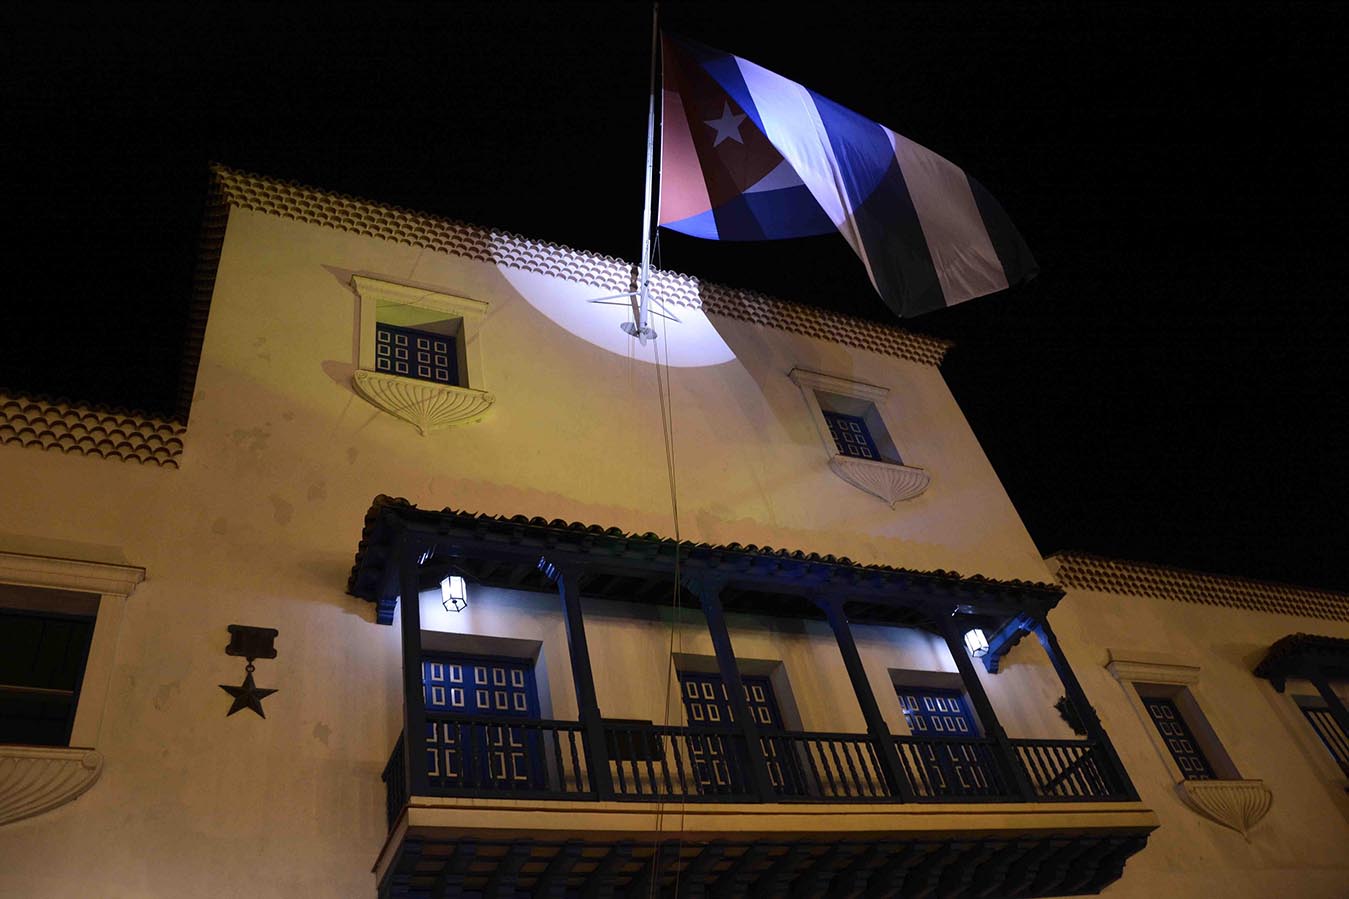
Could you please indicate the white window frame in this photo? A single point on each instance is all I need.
(425, 404)
(889, 478)
(55, 775)
(1230, 800)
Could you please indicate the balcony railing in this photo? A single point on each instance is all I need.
(1069, 770)
(517, 758)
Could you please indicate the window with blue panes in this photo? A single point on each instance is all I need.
(412, 353)
(951, 760)
(468, 742)
(1179, 739)
(708, 706)
(851, 435)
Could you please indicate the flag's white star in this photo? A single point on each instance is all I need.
(728, 126)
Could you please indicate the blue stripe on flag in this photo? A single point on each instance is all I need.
(892, 236)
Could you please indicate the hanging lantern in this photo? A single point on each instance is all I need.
(976, 643)
(454, 593)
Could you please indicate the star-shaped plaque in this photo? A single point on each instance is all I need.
(248, 696)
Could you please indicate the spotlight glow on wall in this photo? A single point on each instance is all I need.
(454, 594)
(976, 643)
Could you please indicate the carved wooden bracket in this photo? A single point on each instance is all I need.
(1238, 804)
(35, 779)
(428, 406)
(892, 483)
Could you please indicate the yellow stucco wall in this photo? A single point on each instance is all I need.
(1299, 847)
(260, 524)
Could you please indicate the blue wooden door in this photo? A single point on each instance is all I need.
(707, 704)
(952, 765)
(470, 743)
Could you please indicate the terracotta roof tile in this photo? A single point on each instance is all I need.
(1088, 572)
(90, 430)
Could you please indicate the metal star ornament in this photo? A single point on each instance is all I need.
(247, 696)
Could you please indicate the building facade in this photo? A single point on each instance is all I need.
(743, 611)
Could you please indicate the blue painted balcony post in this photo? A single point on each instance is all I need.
(1013, 771)
(708, 591)
(408, 558)
(1078, 697)
(881, 738)
(583, 677)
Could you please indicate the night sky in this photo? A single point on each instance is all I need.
(1166, 390)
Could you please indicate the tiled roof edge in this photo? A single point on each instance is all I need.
(89, 430)
(607, 274)
(401, 506)
(1085, 571)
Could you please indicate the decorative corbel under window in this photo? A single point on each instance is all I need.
(856, 441)
(421, 354)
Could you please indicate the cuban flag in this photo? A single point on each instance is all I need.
(748, 155)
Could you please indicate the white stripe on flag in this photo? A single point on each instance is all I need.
(966, 263)
(783, 105)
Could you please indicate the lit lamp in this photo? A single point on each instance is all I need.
(454, 595)
(976, 643)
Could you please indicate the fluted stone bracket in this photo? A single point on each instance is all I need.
(1238, 804)
(427, 406)
(890, 482)
(36, 779)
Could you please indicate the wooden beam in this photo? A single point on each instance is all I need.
(408, 560)
(501, 884)
(1013, 772)
(734, 881)
(709, 596)
(693, 880)
(603, 881)
(450, 881)
(583, 676)
(775, 880)
(882, 740)
(1004, 638)
(815, 877)
(552, 880)
(1085, 711)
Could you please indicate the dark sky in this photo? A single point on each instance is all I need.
(1166, 390)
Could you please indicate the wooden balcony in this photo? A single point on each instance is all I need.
(511, 806)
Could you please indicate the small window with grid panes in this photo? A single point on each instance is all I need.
(412, 353)
(851, 435)
(1179, 738)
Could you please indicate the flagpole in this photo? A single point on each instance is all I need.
(640, 327)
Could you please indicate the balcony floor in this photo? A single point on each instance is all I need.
(510, 847)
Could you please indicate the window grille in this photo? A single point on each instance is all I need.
(851, 435)
(411, 353)
(1329, 731)
(466, 740)
(1179, 739)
